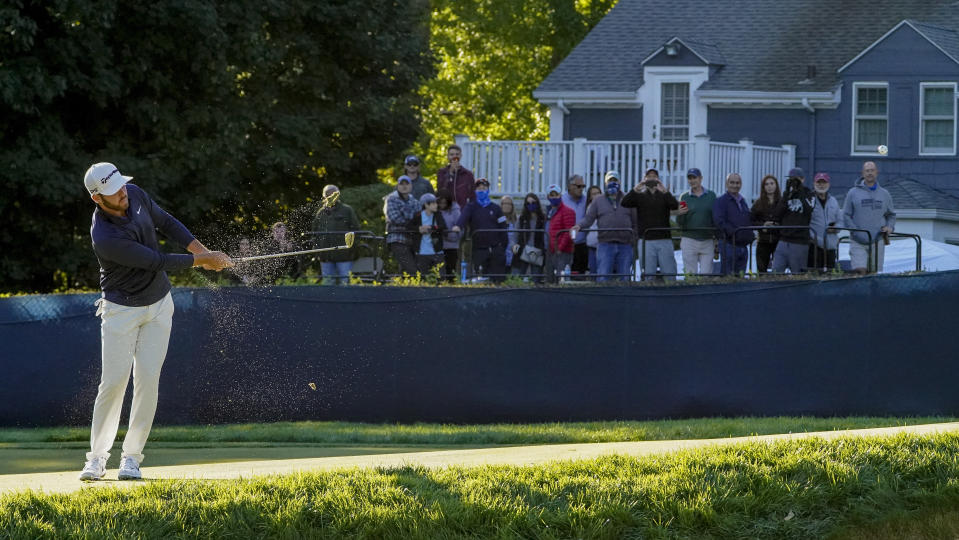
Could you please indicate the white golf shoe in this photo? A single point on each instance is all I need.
(129, 469)
(95, 469)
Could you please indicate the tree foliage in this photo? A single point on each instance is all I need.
(491, 55)
(226, 111)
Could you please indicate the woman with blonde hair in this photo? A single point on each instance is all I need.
(509, 212)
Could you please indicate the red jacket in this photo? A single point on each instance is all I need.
(564, 218)
(461, 185)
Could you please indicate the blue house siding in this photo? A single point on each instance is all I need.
(605, 124)
(903, 60)
(766, 127)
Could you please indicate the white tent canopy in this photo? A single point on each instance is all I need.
(900, 257)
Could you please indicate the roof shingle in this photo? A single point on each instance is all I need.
(767, 45)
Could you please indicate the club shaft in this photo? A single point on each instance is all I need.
(288, 254)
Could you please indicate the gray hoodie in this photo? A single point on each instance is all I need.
(868, 209)
(610, 215)
(822, 218)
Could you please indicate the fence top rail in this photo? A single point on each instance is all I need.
(500, 141)
(726, 144)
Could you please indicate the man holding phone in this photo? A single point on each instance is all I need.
(695, 213)
(456, 178)
(653, 203)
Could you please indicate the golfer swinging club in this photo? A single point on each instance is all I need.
(136, 309)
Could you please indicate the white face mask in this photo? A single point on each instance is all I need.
(821, 188)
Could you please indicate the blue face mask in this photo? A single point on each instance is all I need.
(555, 201)
(612, 188)
(482, 197)
(532, 207)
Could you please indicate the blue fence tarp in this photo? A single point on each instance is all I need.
(878, 345)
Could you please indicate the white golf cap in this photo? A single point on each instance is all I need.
(104, 179)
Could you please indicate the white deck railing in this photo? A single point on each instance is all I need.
(519, 167)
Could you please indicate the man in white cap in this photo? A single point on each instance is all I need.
(617, 224)
(136, 309)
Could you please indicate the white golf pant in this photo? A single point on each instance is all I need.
(137, 338)
(697, 255)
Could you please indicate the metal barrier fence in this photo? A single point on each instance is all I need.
(642, 255)
(547, 255)
(366, 242)
(759, 228)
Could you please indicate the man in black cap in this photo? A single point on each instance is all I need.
(794, 209)
(421, 185)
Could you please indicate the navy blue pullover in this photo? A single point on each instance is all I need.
(132, 267)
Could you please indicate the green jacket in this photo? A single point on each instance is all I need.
(700, 215)
(342, 218)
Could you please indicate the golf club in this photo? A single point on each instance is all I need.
(348, 243)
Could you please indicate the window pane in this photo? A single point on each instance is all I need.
(937, 134)
(675, 134)
(938, 101)
(870, 134)
(872, 101)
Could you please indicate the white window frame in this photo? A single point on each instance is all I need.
(922, 117)
(650, 96)
(855, 106)
(662, 126)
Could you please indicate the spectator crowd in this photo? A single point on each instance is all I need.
(579, 232)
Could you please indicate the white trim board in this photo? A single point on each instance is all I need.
(890, 32)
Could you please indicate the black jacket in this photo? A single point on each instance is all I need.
(652, 211)
(436, 233)
(539, 235)
(795, 209)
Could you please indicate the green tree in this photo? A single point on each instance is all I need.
(231, 113)
(491, 55)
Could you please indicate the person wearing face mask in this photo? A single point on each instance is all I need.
(489, 247)
(794, 209)
(826, 214)
(530, 247)
(614, 253)
(559, 218)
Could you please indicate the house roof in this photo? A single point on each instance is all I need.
(909, 194)
(766, 45)
(707, 52)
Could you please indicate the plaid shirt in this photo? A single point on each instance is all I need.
(399, 213)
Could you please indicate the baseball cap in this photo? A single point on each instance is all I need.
(481, 181)
(651, 170)
(411, 159)
(427, 198)
(796, 172)
(821, 176)
(694, 172)
(104, 179)
(611, 175)
(403, 178)
(551, 188)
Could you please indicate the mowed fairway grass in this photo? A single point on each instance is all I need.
(902, 486)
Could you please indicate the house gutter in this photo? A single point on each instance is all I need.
(812, 135)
